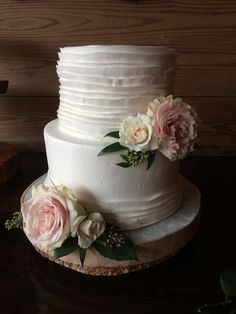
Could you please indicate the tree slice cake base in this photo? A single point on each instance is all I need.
(154, 243)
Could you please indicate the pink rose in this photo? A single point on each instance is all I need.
(49, 214)
(175, 124)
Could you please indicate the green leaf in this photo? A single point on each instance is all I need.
(150, 159)
(124, 253)
(124, 164)
(114, 134)
(124, 157)
(114, 147)
(228, 282)
(82, 254)
(70, 245)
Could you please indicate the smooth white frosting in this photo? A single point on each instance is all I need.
(101, 85)
(129, 198)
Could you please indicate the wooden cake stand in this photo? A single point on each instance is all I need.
(154, 243)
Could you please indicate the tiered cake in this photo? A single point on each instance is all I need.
(113, 200)
(99, 87)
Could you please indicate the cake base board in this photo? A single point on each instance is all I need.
(154, 243)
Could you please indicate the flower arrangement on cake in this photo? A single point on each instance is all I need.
(54, 220)
(169, 126)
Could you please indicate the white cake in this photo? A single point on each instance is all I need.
(99, 87)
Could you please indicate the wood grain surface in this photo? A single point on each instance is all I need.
(3, 86)
(9, 162)
(202, 32)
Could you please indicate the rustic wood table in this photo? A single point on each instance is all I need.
(31, 284)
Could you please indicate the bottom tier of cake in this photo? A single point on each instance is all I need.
(129, 198)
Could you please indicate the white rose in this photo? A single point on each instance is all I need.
(136, 133)
(49, 214)
(88, 229)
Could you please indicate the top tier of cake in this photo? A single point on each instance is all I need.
(101, 85)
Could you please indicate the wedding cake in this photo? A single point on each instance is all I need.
(99, 87)
(113, 187)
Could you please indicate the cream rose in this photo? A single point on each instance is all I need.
(175, 125)
(88, 229)
(136, 133)
(49, 214)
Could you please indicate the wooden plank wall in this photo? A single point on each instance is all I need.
(203, 33)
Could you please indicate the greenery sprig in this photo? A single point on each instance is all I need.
(16, 222)
(131, 158)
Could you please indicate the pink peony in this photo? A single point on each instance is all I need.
(49, 214)
(175, 125)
